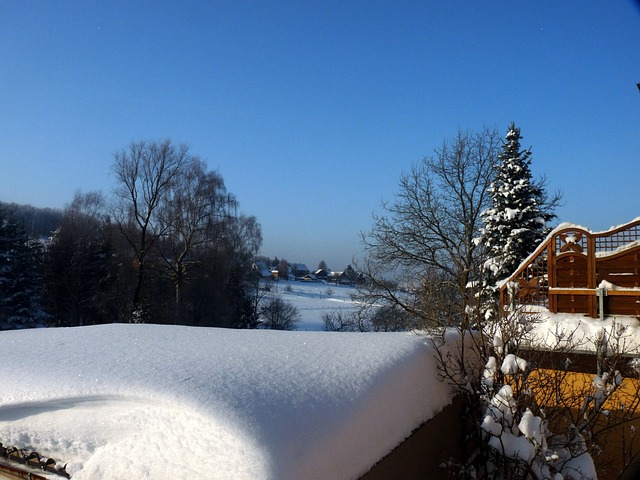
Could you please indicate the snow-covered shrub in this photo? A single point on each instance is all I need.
(534, 418)
(339, 321)
(276, 314)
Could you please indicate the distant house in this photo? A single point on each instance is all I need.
(262, 270)
(347, 277)
(322, 274)
(334, 277)
(309, 277)
(299, 270)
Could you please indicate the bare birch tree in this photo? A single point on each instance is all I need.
(194, 203)
(144, 173)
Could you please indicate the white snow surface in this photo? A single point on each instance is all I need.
(313, 299)
(556, 330)
(162, 402)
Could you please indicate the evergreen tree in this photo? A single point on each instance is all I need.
(516, 221)
(79, 273)
(20, 277)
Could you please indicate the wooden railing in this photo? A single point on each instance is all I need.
(568, 271)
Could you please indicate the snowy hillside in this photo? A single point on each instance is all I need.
(162, 402)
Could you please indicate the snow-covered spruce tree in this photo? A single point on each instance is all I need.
(20, 277)
(516, 221)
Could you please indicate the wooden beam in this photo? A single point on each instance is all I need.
(572, 291)
(628, 292)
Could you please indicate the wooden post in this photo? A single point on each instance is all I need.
(591, 274)
(551, 275)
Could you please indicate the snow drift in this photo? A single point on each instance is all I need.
(150, 401)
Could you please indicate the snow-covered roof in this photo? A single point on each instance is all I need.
(152, 401)
(262, 269)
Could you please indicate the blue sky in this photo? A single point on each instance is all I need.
(312, 110)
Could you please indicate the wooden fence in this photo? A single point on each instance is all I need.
(574, 270)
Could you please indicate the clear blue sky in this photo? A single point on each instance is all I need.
(312, 110)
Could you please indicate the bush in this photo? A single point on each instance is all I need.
(279, 315)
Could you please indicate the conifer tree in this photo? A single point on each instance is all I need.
(79, 268)
(517, 220)
(20, 277)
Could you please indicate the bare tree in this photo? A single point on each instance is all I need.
(427, 235)
(279, 315)
(195, 203)
(283, 269)
(339, 321)
(257, 290)
(244, 235)
(144, 173)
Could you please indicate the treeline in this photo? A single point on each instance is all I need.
(37, 222)
(168, 247)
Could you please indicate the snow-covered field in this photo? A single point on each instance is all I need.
(313, 299)
(164, 402)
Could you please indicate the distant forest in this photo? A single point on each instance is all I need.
(37, 222)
